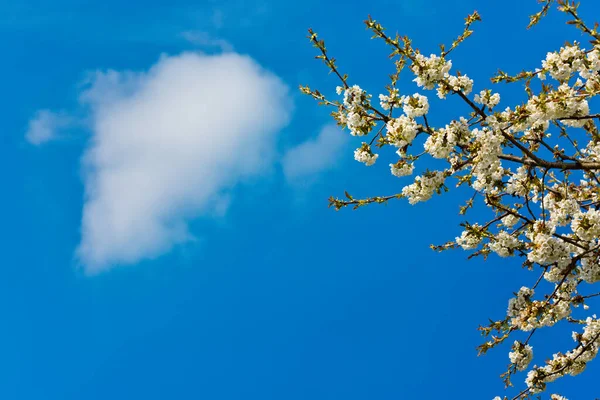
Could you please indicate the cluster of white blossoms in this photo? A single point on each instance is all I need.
(592, 151)
(430, 70)
(560, 207)
(441, 142)
(402, 168)
(388, 101)
(521, 355)
(535, 166)
(518, 183)
(486, 98)
(519, 303)
(591, 64)
(564, 102)
(557, 397)
(510, 220)
(589, 268)
(572, 362)
(504, 244)
(563, 64)
(547, 249)
(536, 131)
(586, 225)
(415, 106)
(487, 168)
(356, 116)
(433, 70)
(470, 238)
(401, 131)
(458, 84)
(527, 314)
(423, 187)
(557, 272)
(364, 155)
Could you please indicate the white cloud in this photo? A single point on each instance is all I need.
(167, 146)
(205, 40)
(45, 126)
(315, 155)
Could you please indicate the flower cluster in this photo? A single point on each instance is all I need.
(388, 101)
(504, 244)
(458, 83)
(510, 220)
(364, 155)
(547, 249)
(589, 269)
(560, 207)
(441, 142)
(356, 105)
(527, 314)
(563, 64)
(401, 131)
(402, 168)
(586, 225)
(487, 168)
(471, 237)
(519, 303)
(423, 187)
(519, 182)
(430, 70)
(562, 103)
(521, 355)
(415, 105)
(486, 98)
(557, 397)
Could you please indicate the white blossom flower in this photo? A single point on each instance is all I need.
(356, 118)
(486, 98)
(510, 220)
(504, 243)
(401, 131)
(470, 238)
(461, 83)
(364, 155)
(586, 225)
(516, 304)
(441, 142)
(415, 105)
(387, 101)
(430, 70)
(402, 168)
(521, 355)
(423, 187)
(561, 65)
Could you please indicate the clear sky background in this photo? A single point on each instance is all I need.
(165, 225)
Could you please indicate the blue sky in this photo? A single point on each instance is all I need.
(276, 296)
